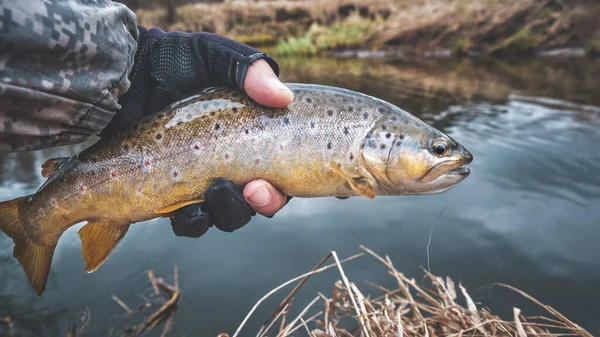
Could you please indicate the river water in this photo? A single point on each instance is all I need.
(528, 215)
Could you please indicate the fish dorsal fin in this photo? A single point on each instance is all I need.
(52, 165)
(360, 185)
(99, 240)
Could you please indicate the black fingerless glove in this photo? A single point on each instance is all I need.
(170, 66)
(167, 68)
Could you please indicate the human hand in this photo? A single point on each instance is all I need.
(170, 66)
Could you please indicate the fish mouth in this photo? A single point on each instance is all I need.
(461, 170)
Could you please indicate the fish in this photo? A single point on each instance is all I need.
(329, 142)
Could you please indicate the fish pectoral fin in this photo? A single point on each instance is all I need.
(99, 240)
(177, 206)
(52, 165)
(360, 185)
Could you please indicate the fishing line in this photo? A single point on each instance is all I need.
(431, 231)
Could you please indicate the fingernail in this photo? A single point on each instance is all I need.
(277, 85)
(260, 197)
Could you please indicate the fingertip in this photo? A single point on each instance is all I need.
(263, 197)
(263, 86)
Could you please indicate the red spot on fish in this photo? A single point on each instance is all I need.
(114, 173)
(82, 188)
(42, 213)
(147, 162)
(54, 202)
(227, 156)
(196, 147)
(175, 174)
(257, 161)
(139, 189)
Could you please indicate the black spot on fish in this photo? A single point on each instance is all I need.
(308, 100)
(381, 110)
(212, 113)
(329, 145)
(234, 109)
(346, 131)
(382, 146)
(227, 156)
(372, 144)
(160, 115)
(159, 136)
(365, 115)
(286, 120)
(388, 135)
(350, 108)
(384, 127)
(351, 156)
(394, 118)
(312, 124)
(330, 112)
(179, 122)
(217, 126)
(246, 130)
(401, 136)
(398, 143)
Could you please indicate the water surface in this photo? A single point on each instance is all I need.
(528, 215)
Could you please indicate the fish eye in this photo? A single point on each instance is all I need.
(440, 148)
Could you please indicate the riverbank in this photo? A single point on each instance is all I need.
(435, 28)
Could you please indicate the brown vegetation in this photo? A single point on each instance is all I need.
(486, 27)
(409, 310)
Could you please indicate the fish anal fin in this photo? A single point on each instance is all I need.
(52, 165)
(177, 206)
(99, 240)
(35, 258)
(360, 185)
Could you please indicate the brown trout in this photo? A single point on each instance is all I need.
(328, 142)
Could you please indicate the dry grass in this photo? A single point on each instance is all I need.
(498, 27)
(409, 310)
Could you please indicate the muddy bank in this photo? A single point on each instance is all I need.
(437, 28)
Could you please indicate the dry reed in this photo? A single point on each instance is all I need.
(409, 310)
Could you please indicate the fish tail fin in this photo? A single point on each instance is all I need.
(33, 257)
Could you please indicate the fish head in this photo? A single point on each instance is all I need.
(405, 155)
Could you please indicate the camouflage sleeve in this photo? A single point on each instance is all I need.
(63, 66)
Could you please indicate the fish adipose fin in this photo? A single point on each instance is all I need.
(52, 165)
(33, 257)
(359, 185)
(177, 206)
(98, 241)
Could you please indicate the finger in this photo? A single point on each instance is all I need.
(263, 86)
(263, 197)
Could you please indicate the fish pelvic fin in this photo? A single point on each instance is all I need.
(99, 240)
(173, 208)
(35, 258)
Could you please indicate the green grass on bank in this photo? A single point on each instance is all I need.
(353, 32)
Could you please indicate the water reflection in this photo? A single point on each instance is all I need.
(527, 215)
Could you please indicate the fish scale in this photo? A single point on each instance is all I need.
(328, 142)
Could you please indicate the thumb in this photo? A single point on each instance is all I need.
(263, 86)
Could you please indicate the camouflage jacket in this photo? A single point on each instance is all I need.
(63, 66)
